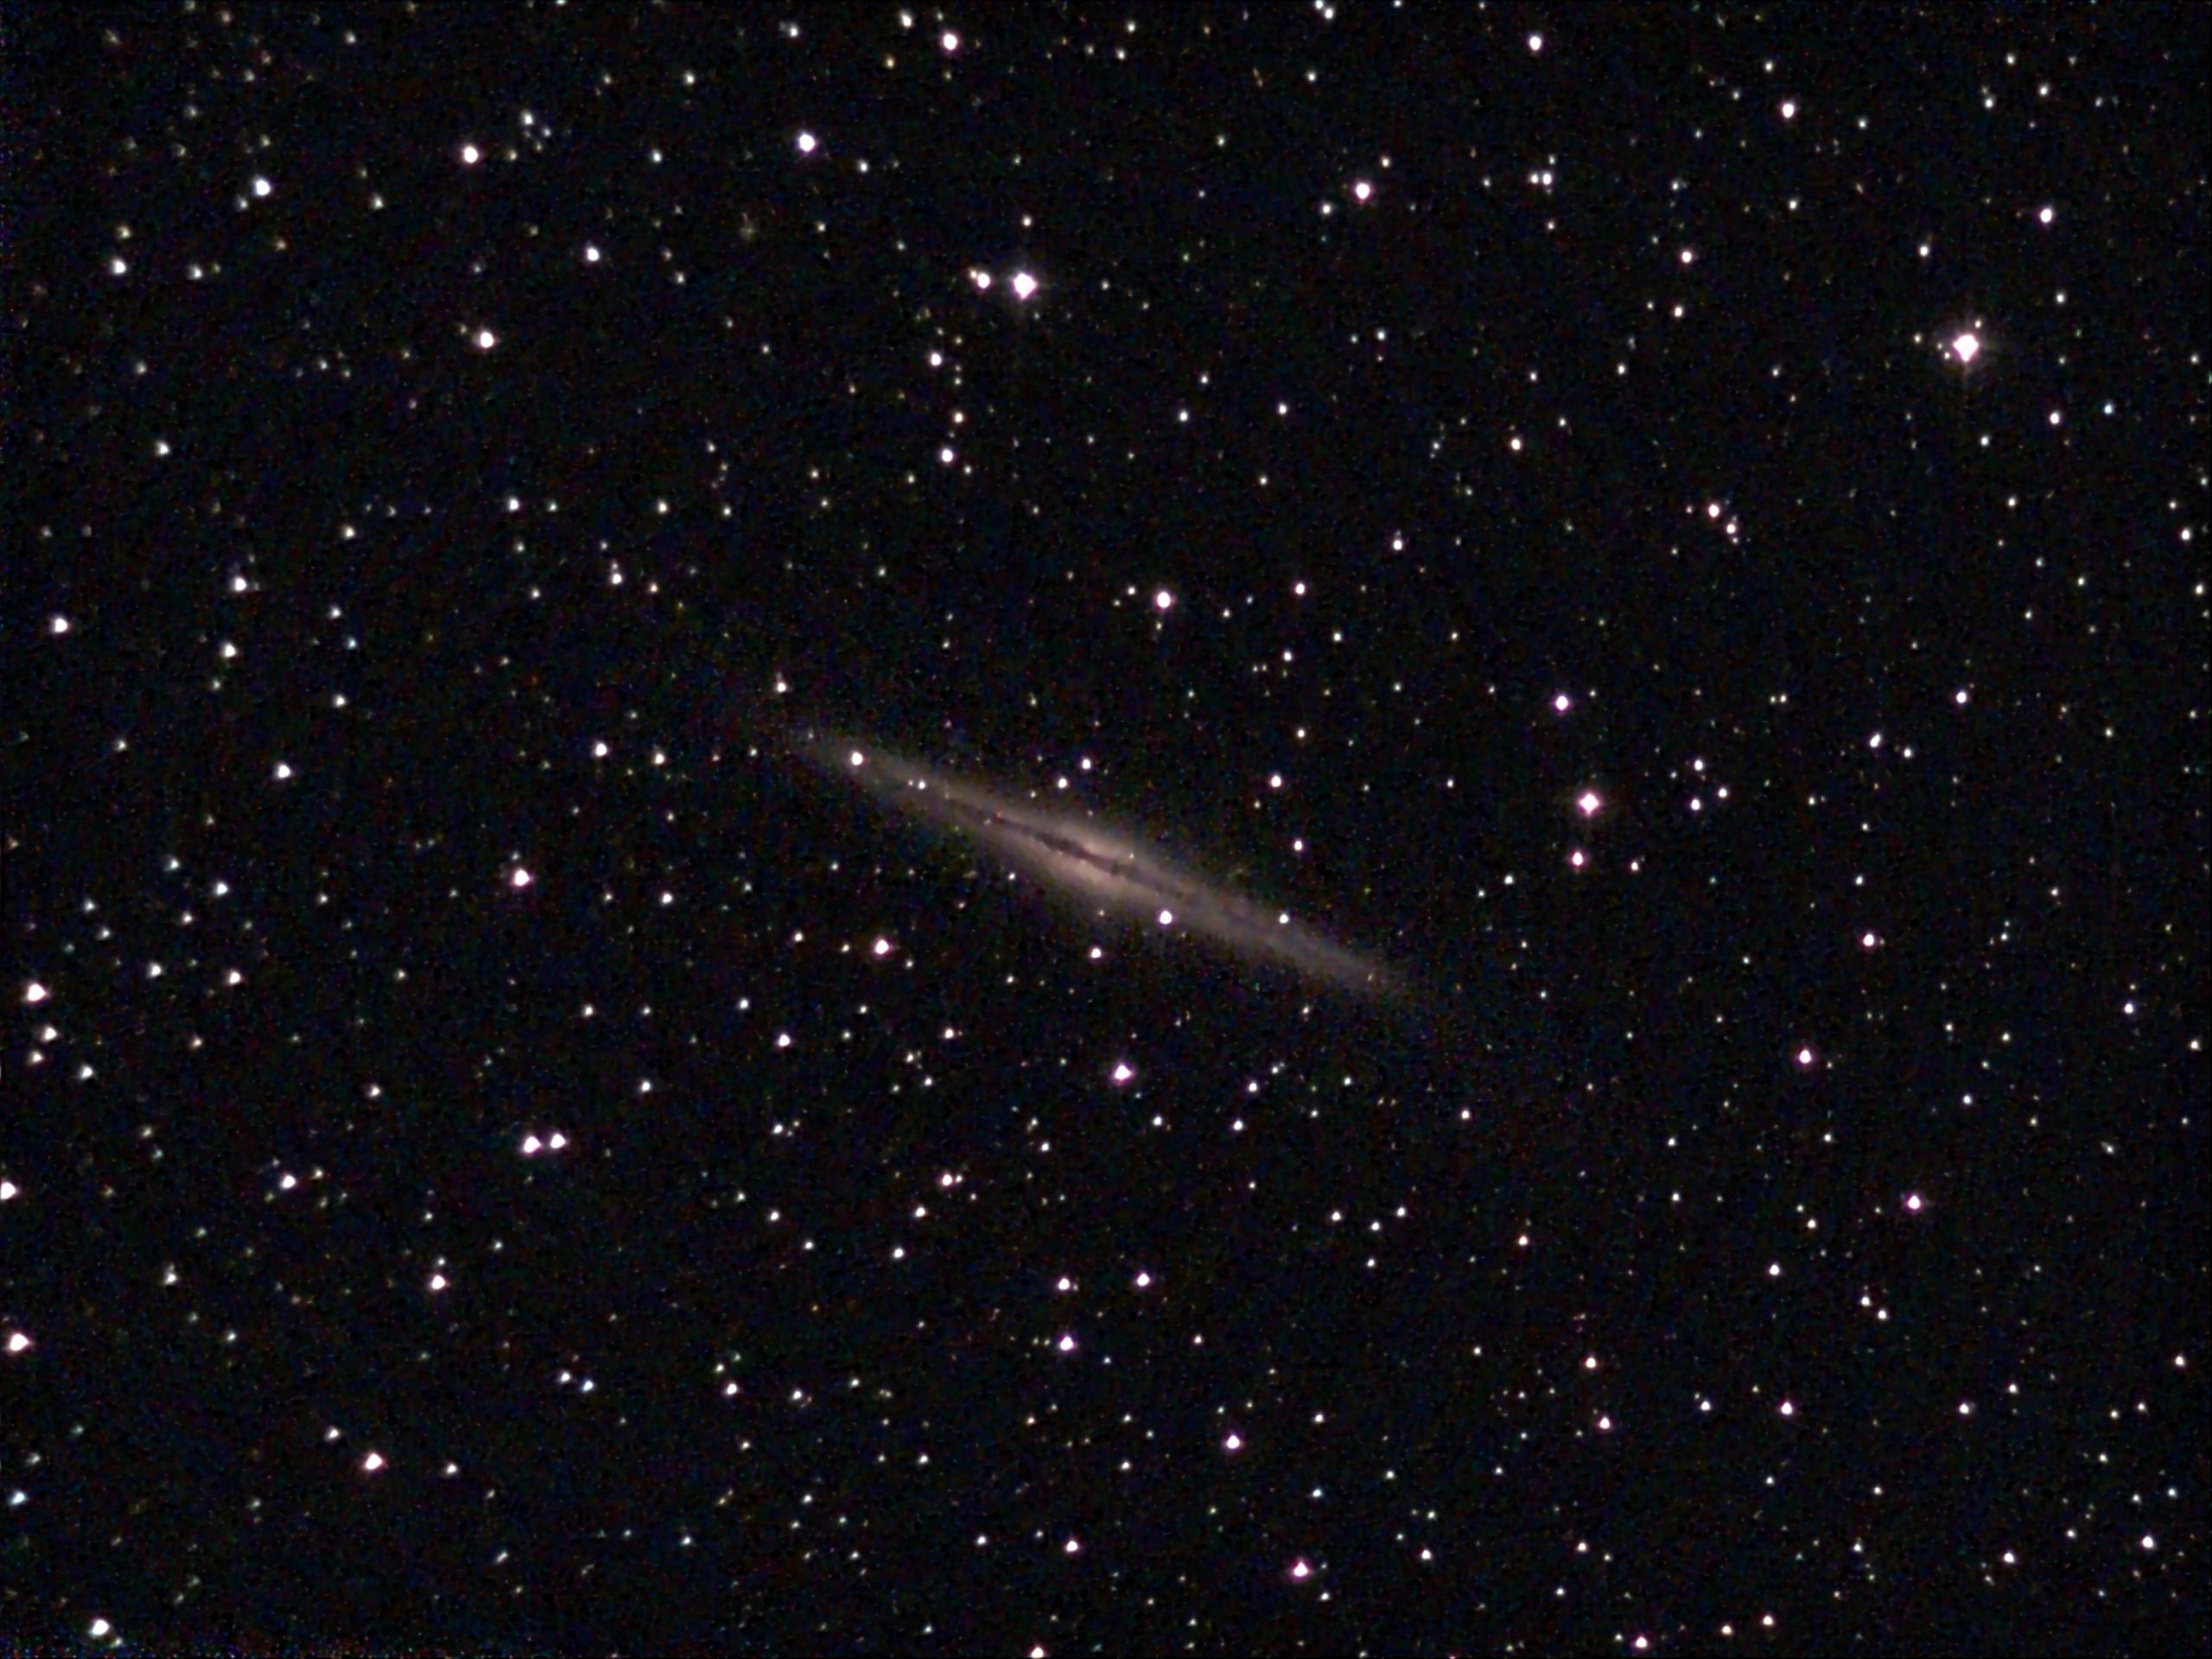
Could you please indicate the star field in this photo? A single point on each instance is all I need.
(1682, 532)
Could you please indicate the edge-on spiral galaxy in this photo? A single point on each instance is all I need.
(1102, 871)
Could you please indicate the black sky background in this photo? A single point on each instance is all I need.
(1780, 1227)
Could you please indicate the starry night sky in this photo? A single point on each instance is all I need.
(1681, 532)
